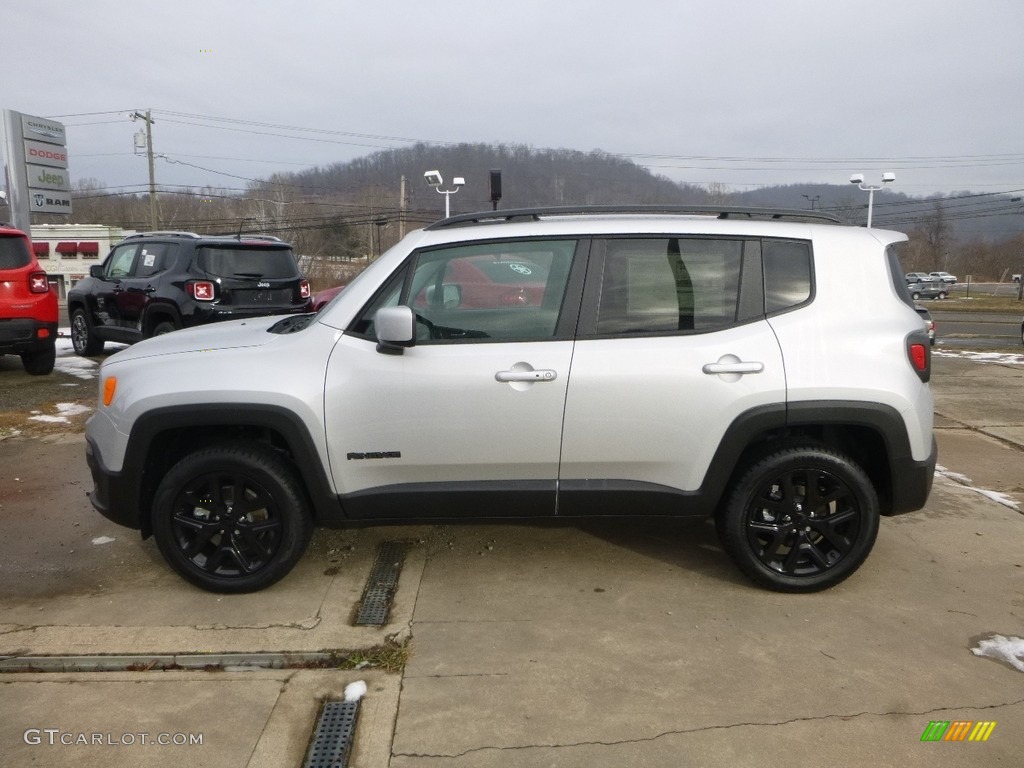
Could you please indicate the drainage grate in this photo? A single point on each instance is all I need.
(382, 583)
(332, 739)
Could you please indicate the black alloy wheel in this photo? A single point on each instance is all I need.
(82, 337)
(231, 518)
(801, 519)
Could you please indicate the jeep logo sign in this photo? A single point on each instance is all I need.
(42, 177)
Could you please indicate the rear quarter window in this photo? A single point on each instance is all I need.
(14, 253)
(787, 274)
(248, 263)
(896, 275)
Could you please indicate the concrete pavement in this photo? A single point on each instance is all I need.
(600, 645)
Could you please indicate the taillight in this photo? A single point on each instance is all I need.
(37, 282)
(200, 290)
(919, 352)
(304, 291)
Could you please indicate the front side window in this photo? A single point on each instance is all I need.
(499, 291)
(669, 285)
(121, 260)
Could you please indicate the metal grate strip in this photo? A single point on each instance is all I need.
(332, 740)
(381, 584)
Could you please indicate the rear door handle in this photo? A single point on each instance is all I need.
(542, 374)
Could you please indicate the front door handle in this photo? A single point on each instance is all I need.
(542, 374)
(737, 367)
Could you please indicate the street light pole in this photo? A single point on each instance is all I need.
(858, 179)
(435, 180)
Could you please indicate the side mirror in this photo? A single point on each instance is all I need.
(96, 270)
(396, 329)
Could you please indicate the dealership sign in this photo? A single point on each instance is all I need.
(35, 150)
(48, 201)
(46, 154)
(42, 177)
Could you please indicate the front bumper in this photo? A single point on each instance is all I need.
(114, 495)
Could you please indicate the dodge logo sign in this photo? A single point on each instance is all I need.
(39, 200)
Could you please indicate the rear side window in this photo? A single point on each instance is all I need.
(155, 257)
(248, 263)
(14, 253)
(787, 274)
(665, 285)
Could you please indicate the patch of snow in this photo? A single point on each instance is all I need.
(63, 411)
(103, 540)
(1000, 648)
(981, 357)
(1000, 498)
(72, 409)
(69, 363)
(955, 476)
(355, 691)
(965, 481)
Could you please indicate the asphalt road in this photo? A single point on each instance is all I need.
(970, 329)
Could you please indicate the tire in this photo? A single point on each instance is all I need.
(165, 326)
(218, 544)
(82, 337)
(915, 296)
(788, 542)
(942, 294)
(39, 362)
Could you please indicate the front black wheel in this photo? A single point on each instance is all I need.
(800, 519)
(231, 518)
(82, 337)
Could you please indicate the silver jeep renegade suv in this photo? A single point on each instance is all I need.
(549, 363)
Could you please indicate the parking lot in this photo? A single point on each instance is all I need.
(604, 644)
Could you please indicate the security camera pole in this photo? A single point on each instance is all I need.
(435, 180)
(858, 179)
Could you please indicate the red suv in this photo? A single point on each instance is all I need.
(28, 306)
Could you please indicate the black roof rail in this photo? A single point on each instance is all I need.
(163, 233)
(718, 211)
(245, 236)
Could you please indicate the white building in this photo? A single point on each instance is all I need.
(66, 251)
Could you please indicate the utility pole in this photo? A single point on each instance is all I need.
(403, 206)
(153, 223)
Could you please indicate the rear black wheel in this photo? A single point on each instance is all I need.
(163, 327)
(801, 519)
(231, 518)
(39, 362)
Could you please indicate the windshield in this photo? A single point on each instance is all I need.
(248, 263)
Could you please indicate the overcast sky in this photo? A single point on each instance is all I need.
(742, 93)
